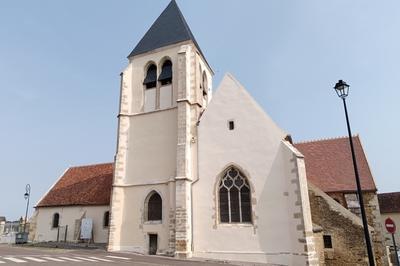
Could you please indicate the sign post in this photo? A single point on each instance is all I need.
(391, 228)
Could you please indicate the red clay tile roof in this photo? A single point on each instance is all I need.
(329, 164)
(82, 185)
(389, 202)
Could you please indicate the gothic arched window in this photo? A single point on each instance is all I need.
(234, 197)
(154, 207)
(56, 220)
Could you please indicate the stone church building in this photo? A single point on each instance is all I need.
(194, 174)
(211, 175)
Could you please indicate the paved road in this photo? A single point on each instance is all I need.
(14, 255)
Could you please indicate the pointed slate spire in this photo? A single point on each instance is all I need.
(169, 28)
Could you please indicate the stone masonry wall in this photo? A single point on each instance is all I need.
(344, 227)
(374, 220)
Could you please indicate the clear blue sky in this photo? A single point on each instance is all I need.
(60, 63)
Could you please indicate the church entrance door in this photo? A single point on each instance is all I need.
(153, 244)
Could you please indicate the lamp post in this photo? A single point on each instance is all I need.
(342, 90)
(27, 196)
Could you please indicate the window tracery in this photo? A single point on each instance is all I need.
(234, 197)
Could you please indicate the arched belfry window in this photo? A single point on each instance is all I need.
(150, 83)
(166, 73)
(56, 220)
(154, 207)
(165, 80)
(234, 197)
(151, 77)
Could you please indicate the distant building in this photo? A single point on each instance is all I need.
(389, 204)
(8, 229)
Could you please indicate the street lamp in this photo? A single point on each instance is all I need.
(27, 196)
(342, 90)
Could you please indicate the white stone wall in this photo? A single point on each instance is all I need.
(68, 216)
(278, 186)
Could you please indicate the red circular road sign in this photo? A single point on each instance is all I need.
(390, 225)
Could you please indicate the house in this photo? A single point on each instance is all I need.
(81, 192)
(330, 171)
(389, 204)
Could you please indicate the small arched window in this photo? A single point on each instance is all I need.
(56, 220)
(106, 219)
(234, 197)
(150, 81)
(200, 78)
(166, 73)
(154, 207)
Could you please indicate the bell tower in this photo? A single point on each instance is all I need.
(164, 89)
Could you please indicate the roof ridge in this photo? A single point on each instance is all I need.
(89, 165)
(325, 139)
(386, 193)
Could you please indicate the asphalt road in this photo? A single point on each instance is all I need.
(17, 255)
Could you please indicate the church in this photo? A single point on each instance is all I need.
(211, 175)
(194, 174)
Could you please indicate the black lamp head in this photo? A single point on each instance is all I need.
(342, 89)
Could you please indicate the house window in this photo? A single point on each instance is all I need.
(150, 83)
(106, 219)
(154, 207)
(165, 79)
(234, 197)
(327, 241)
(56, 220)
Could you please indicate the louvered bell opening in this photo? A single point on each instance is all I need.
(166, 73)
(151, 77)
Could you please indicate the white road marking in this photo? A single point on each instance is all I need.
(70, 259)
(81, 258)
(2, 262)
(116, 257)
(34, 259)
(53, 259)
(101, 259)
(14, 259)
